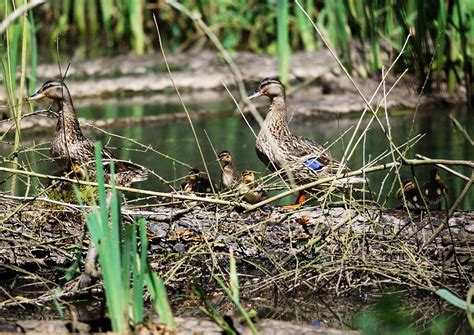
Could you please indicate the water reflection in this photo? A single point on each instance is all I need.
(232, 133)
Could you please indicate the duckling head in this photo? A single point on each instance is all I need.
(248, 176)
(408, 185)
(435, 176)
(225, 157)
(193, 174)
(52, 89)
(270, 87)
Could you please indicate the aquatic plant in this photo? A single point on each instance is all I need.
(442, 46)
(125, 270)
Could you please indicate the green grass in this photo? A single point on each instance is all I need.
(441, 45)
(118, 251)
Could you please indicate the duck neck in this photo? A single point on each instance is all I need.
(67, 114)
(277, 119)
(228, 166)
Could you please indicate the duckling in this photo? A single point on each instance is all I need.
(229, 177)
(251, 190)
(412, 195)
(278, 148)
(434, 190)
(72, 151)
(195, 183)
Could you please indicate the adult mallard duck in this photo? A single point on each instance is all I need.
(302, 159)
(412, 195)
(252, 192)
(434, 190)
(229, 177)
(195, 183)
(72, 151)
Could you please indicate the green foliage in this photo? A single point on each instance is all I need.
(390, 316)
(283, 43)
(232, 291)
(69, 194)
(124, 268)
(441, 44)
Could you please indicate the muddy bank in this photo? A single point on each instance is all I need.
(317, 84)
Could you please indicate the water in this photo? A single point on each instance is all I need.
(229, 131)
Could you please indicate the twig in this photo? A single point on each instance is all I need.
(444, 167)
(356, 173)
(19, 12)
(129, 189)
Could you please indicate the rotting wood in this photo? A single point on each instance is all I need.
(311, 246)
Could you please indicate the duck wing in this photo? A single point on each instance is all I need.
(314, 156)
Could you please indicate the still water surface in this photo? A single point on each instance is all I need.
(230, 131)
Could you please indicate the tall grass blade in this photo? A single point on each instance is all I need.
(34, 56)
(304, 27)
(135, 10)
(157, 290)
(453, 299)
(283, 40)
(233, 278)
(106, 240)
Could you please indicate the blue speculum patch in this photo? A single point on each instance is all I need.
(313, 164)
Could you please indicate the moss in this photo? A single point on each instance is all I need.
(65, 193)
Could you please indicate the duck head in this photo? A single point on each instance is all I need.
(53, 89)
(270, 87)
(225, 157)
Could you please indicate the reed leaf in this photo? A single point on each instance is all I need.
(283, 40)
(33, 55)
(135, 11)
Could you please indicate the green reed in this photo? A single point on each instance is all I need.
(283, 40)
(441, 45)
(125, 268)
(14, 46)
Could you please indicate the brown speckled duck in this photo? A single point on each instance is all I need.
(251, 190)
(278, 148)
(412, 195)
(229, 177)
(195, 183)
(72, 151)
(434, 190)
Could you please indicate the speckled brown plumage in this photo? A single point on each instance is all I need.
(229, 176)
(251, 190)
(413, 199)
(195, 183)
(72, 151)
(278, 148)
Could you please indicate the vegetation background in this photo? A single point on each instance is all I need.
(440, 50)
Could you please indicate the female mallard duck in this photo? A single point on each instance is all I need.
(434, 190)
(278, 148)
(229, 177)
(72, 151)
(251, 190)
(195, 183)
(412, 195)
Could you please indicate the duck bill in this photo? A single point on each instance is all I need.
(37, 96)
(255, 94)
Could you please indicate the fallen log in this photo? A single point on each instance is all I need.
(338, 248)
